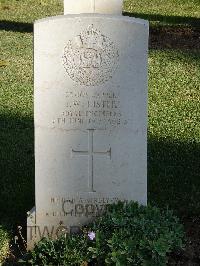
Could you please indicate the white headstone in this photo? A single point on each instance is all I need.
(90, 79)
(93, 6)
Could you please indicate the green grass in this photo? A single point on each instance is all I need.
(4, 244)
(174, 131)
(29, 10)
(165, 12)
(182, 8)
(174, 110)
(174, 96)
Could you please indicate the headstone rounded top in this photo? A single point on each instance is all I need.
(93, 6)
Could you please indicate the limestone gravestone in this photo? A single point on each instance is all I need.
(93, 6)
(90, 83)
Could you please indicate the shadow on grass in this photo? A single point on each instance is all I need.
(16, 26)
(170, 37)
(16, 169)
(174, 175)
(182, 38)
(28, 27)
(161, 36)
(195, 22)
(183, 33)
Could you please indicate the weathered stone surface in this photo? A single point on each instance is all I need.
(90, 117)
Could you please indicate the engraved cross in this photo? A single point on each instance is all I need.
(90, 153)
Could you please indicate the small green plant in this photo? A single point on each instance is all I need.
(128, 234)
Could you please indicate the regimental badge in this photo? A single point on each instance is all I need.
(90, 58)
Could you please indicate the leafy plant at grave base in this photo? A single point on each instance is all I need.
(128, 234)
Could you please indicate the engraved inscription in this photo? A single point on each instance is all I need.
(93, 110)
(90, 58)
(77, 207)
(90, 153)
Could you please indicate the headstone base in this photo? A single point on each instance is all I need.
(31, 228)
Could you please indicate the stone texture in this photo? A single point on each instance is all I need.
(93, 6)
(90, 79)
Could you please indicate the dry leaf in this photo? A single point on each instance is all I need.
(84, 263)
(3, 63)
(4, 7)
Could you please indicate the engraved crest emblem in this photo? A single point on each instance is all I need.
(90, 58)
